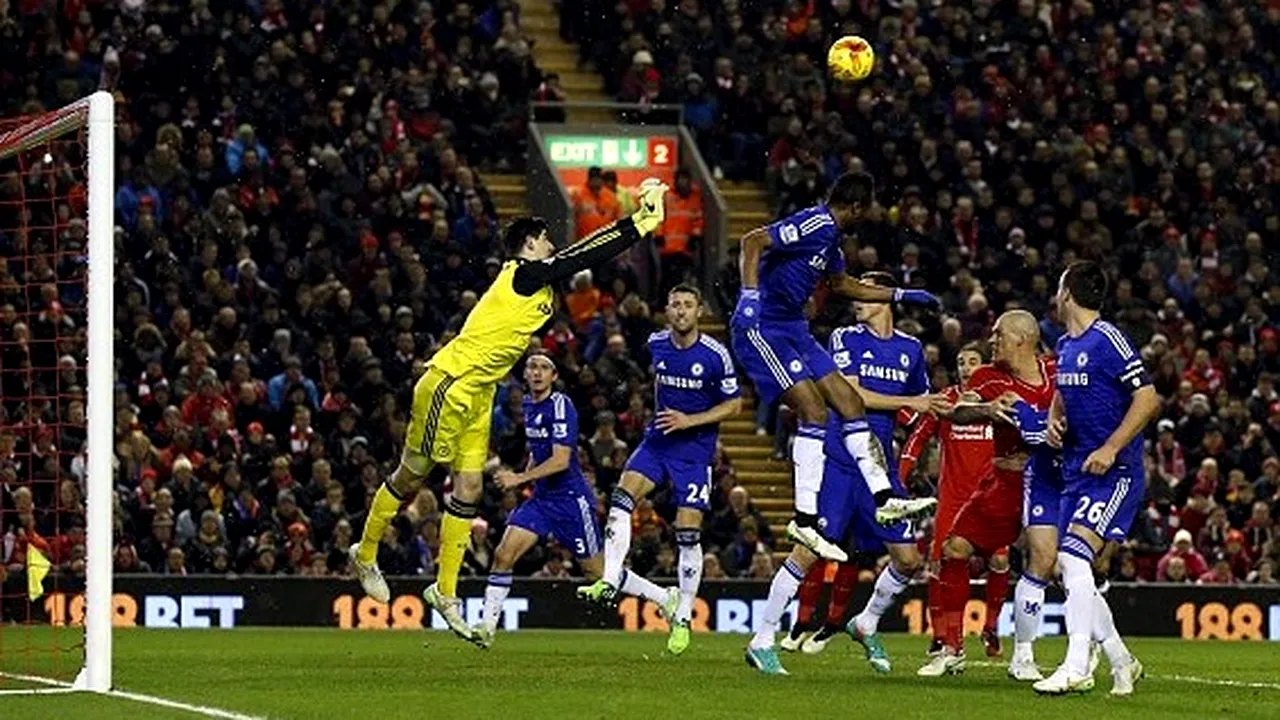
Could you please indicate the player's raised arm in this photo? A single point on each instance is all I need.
(751, 248)
(856, 289)
(599, 246)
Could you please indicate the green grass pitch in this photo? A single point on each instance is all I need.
(333, 674)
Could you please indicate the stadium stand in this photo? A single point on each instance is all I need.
(308, 207)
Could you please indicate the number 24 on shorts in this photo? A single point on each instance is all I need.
(700, 493)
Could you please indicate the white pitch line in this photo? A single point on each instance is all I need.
(1252, 685)
(58, 686)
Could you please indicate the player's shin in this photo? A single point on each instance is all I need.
(455, 534)
(935, 609)
(781, 590)
(689, 541)
(889, 585)
(996, 591)
(386, 503)
(1105, 633)
(495, 593)
(1076, 559)
(1028, 603)
(843, 584)
(807, 595)
(866, 450)
(617, 536)
(954, 581)
(641, 587)
(809, 459)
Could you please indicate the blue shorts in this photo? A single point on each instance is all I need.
(570, 519)
(690, 480)
(1041, 492)
(777, 355)
(1106, 504)
(847, 511)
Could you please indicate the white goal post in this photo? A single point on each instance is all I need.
(95, 117)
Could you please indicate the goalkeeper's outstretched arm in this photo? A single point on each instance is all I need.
(596, 248)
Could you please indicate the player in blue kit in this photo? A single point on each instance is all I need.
(781, 265)
(695, 387)
(563, 504)
(887, 369)
(1105, 402)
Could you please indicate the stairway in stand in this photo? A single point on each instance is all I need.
(768, 480)
(510, 194)
(541, 21)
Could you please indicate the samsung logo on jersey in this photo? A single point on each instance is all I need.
(683, 383)
(536, 433)
(1073, 379)
(882, 373)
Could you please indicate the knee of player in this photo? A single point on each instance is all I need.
(634, 484)
(405, 482)
(957, 548)
(998, 563)
(909, 565)
(505, 557)
(468, 486)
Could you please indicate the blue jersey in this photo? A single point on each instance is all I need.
(1097, 375)
(890, 366)
(803, 248)
(691, 380)
(549, 423)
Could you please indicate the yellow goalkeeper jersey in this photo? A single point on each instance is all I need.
(496, 333)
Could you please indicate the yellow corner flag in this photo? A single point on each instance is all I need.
(37, 568)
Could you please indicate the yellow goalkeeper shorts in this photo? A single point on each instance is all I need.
(448, 423)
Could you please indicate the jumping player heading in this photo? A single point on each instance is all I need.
(781, 264)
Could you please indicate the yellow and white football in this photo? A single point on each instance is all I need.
(850, 58)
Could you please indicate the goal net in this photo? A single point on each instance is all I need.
(56, 418)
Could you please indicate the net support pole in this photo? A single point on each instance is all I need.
(96, 675)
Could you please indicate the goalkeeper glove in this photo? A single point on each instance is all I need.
(652, 207)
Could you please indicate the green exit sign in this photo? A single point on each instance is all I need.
(616, 152)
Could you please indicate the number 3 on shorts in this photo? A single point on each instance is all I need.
(1089, 512)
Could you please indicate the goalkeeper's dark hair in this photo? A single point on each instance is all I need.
(520, 230)
(1086, 281)
(880, 278)
(853, 189)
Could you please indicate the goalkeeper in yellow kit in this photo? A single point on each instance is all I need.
(453, 400)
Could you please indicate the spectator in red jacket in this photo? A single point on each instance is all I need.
(198, 408)
(1184, 551)
(1220, 573)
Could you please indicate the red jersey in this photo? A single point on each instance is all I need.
(990, 382)
(966, 451)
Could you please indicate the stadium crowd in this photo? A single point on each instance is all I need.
(1009, 140)
(302, 220)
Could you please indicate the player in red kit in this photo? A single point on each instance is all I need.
(1016, 392)
(966, 452)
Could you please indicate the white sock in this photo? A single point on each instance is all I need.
(1077, 580)
(785, 583)
(889, 585)
(808, 458)
(617, 536)
(494, 594)
(871, 461)
(1028, 603)
(1104, 631)
(690, 568)
(637, 586)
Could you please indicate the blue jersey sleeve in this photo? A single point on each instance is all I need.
(728, 384)
(1120, 359)
(841, 347)
(564, 422)
(1032, 424)
(808, 232)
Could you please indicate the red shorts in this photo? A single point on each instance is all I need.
(992, 518)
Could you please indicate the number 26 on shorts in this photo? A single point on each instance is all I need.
(1089, 511)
